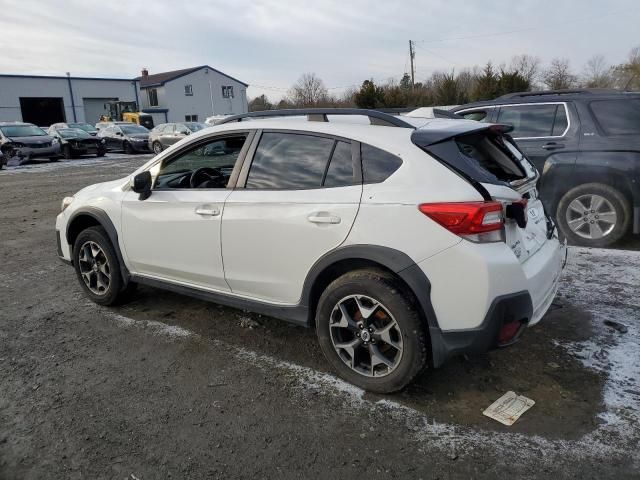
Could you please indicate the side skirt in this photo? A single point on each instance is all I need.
(295, 314)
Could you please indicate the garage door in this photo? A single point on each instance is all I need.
(94, 107)
(42, 111)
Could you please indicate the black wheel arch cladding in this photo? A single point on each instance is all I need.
(101, 218)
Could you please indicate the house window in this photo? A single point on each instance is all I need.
(153, 97)
(191, 118)
(227, 91)
(188, 90)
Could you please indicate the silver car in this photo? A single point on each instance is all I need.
(166, 134)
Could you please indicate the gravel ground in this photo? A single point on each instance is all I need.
(171, 387)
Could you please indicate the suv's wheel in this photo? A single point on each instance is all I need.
(128, 149)
(593, 215)
(157, 147)
(370, 331)
(97, 266)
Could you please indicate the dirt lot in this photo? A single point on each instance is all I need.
(170, 387)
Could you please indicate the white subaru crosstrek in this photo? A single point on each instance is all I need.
(401, 243)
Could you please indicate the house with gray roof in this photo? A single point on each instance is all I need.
(191, 94)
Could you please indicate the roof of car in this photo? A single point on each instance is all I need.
(550, 96)
(427, 131)
(7, 124)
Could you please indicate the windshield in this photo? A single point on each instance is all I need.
(73, 133)
(83, 126)
(133, 129)
(194, 126)
(23, 131)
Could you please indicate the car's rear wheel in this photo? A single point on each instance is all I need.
(371, 332)
(593, 215)
(97, 267)
(157, 147)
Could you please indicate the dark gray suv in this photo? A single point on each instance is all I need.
(586, 145)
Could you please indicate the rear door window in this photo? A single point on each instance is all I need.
(529, 121)
(477, 115)
(340, 172)
(289, 161)
(617, 117)
(377, 165)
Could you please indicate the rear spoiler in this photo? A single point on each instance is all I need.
(426, 136)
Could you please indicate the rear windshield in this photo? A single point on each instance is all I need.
(482, 156)
(618, 117)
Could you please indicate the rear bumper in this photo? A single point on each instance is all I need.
(478, 288)
(515, 307)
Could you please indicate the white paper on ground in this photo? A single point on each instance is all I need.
(508, 408)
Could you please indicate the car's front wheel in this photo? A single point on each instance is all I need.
(128, 149)
(593, 215)
(371, 332)
(66, 152)
(157, 147)
(97, 267)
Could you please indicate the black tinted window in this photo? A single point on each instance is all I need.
(529, 120)
(340, 172)
(289, 161)
(618, 117)
(377, 164)
(561, 122)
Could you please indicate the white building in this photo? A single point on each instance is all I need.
(191, 94)
(44, 100)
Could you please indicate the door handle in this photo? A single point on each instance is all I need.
(318, 218)
(207, 211)
(552, 146)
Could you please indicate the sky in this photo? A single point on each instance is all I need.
(270, 43)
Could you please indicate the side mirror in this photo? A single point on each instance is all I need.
(141, 184)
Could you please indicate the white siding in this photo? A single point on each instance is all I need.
(207, 96)
(12, 88)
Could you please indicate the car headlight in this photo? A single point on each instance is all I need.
(55, 140)
(66, 201)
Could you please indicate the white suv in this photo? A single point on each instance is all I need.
(401, 245)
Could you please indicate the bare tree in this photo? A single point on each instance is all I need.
(596, 73)
(559, 75)
(627, 75)
(527, 66)
(308, 91)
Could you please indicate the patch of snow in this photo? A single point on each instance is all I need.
(155, 327)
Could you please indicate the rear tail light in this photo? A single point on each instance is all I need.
(509, 332)
(475, 221)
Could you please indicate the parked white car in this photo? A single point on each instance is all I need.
(402, 246)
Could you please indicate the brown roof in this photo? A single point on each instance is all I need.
(158, 79)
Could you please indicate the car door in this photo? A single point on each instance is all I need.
(296, 200)
(166, 135)
(542, 130)
(174, 235)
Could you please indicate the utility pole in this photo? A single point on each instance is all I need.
(412, 54)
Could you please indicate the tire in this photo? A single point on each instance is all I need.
(127, 148)
(101, 152)
(396, 306)
(115, 291)
(600, 226)
(66, 152)
(157, 147)
(53, 159)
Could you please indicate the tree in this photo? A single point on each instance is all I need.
(559, 76)
(486, 87)
(527, 66)
(597, 74)
(510, 82)
(260, 103)
(446, 89)
(370, 95)
(308, 91)
(627, 75)
(405, 82)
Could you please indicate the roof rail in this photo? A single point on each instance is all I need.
(577, 91)
(320, 115)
